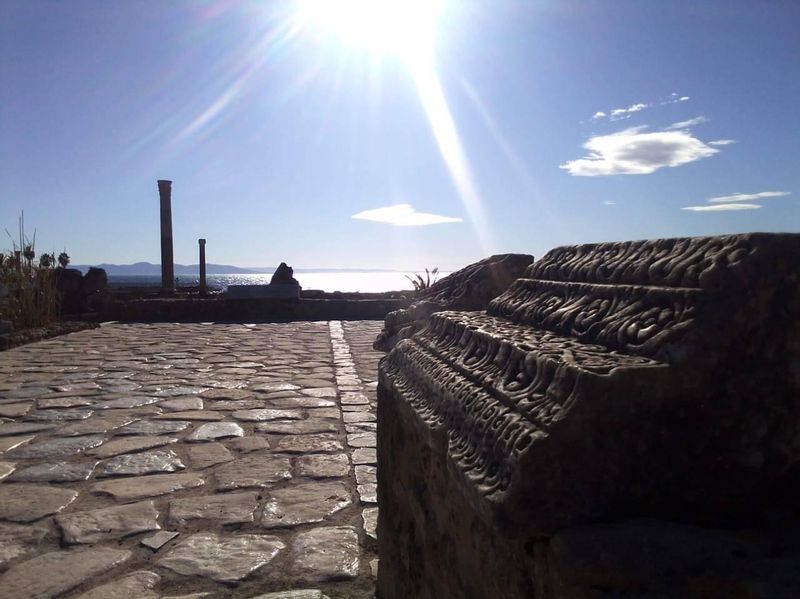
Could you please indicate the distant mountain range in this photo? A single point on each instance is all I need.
(150, 269)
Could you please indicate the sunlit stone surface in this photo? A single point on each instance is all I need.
(229, 437)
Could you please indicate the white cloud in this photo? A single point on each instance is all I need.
(688, 123)
(722, 207)
(745, 197)
(632, 152)
(599, 115)
(609, 203)
(623, 113)
(683, 98)
(404, 215)
(722, 142)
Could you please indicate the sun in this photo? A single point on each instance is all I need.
(406, 28)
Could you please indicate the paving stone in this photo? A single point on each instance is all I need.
(192, 415)
(148, 462)
(215, 430)
(276, 386)
(129, 445)
(148, 427)
(308, 443)
(221, 559)
(141, 487)
(297, 427)
(139, 584)
(329, 553)
(249, 444)
(320, 392)
(358, 417)
(370, 519)
(18, 540)
(333, 413)
(231, 394)
(353, 399)
(361, 427)
(127, 402)
(25, 393)
(181, 390)
(26, 503)
(368, 493)
(6, 468)
(266, 414)
(362, 440)
(59, 415)
(159, 539)
(225, 508)
(294, 594)
(301, 402)
(313, 382)
(253, 470)
(96, 424)
(9, 443)
(63, 402)
(13, 410)
(58, 448)
(208, 454)
(109, 523)
(323, 465)
(235, 404)
(366, 475)
(54, 573)
(304, 503)
(21, 428)
(55, 472)
(184, 403)
(365, 455)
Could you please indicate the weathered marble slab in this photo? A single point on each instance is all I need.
(225, 559)
(110, 523)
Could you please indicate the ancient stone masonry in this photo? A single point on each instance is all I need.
(654, 378)
(470, 288)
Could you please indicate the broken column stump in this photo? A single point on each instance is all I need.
(651, 378)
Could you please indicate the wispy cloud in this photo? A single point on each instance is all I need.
(622, 112)
(404, 215)
(609, 203)
(722, 207)
(674, 98)
(749, 197)
(688, 123)
(617, 114)
(722, 142)
(634, 152)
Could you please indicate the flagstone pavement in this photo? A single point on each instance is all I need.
(190, 460)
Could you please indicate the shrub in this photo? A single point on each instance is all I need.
(421, 283)
(28, 294)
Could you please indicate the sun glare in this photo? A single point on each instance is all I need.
(407, 29)
(402, 27)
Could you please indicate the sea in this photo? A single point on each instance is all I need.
(345, 281)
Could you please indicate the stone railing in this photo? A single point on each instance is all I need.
(657, 378)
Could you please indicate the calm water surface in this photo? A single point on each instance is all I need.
(325, 281)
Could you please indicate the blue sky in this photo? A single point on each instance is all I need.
(508, 126)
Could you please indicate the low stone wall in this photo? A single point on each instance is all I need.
(264, 310)
(519, 448)
(17, 338)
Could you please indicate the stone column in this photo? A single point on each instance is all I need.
(167, 264)
(202, 243)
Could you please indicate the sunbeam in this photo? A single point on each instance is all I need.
(407, 29)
